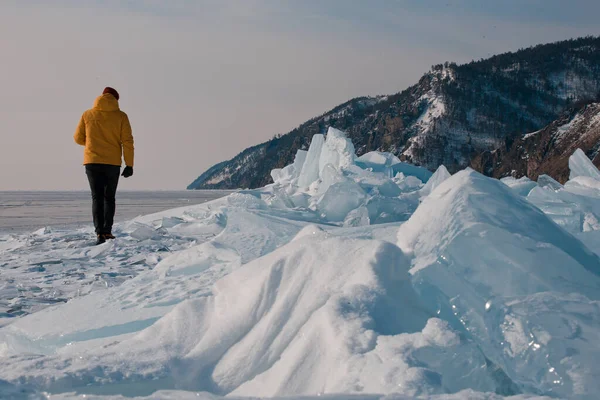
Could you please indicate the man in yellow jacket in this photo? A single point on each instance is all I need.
(105, 132)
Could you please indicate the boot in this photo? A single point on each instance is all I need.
(109, 236)
(100, 239)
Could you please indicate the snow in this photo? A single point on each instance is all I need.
(254, 331)
(527, 136)
(568, 127)
(467, 205)
(219, 178)
(595, 120)
(23, 394)
(347, 278)
(434, 109)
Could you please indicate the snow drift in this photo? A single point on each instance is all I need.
(322, 314)
(468, 209)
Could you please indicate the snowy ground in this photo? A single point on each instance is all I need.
(348, 278)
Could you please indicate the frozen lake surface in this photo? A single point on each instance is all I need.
(27, 211)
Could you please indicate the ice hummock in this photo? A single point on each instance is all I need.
(522, 186)
(467, 205)
(378, 158)
(310, 168)
(576, 205)
(377, 161)
(337, 151)
(390, 165)
(478, 248)
(440, 175)
(547, 181)
(292, 171)
(335, 184)
(410, 170)
(581, 165)
(340, 199)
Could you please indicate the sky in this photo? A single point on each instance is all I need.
(201, 80)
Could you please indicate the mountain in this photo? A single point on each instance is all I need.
(547, 151)
(452, 115)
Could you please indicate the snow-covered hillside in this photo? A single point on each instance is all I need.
(353, 278)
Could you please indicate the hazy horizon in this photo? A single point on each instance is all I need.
(201, 81)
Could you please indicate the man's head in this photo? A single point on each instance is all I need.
(111, 91)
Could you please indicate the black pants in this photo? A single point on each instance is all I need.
(103, 182)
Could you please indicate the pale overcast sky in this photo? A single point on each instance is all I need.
(202, 80)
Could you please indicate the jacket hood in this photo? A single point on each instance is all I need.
(106, 102)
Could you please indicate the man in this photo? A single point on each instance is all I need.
(105, 133)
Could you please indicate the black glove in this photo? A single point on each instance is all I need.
(127, 172)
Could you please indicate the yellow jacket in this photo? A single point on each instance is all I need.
(106, 133)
